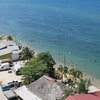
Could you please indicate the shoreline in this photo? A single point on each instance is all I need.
(94, 81)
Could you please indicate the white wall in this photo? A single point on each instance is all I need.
(15, 56)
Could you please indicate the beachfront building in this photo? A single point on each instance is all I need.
(17, 66)
(9, 50)
(10, 95)
(24, 94)
(91, 96)
(45, 88)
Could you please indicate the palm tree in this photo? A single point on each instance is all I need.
(67, 92)
(83, 85)
(9, 38)
(26, 54)
(61, 72)
(76, 73)
(79, 74)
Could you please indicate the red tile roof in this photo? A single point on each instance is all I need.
(97, 93)
(49, 78)
(83, 97)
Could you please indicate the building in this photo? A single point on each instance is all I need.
(25, 94)
(92, 96)
(5, 54)
(10, 94)
(45, 88)
(2, 45)
(97, 94)
(9, 50)
(17, 66)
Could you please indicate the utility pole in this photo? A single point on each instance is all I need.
(64, 60)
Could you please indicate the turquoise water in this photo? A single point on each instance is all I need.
(63, 27)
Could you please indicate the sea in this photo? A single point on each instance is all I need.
(65, 28)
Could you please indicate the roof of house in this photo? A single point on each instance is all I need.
(11, 47)
(25, 94)
(97, 93)
(83, 97)
(9, 94)
(46, 88)
(2, 45)
(4, 51)
(9, 43)
(17, 66)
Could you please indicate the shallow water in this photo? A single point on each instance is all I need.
(63, 27)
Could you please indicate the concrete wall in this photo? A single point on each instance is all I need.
(15, 56)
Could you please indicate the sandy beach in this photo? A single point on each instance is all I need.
(94, 81)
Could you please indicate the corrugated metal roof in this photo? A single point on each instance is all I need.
(11, 47)
(8, 43)
(2, 45)
(9, 94)
(25, 94)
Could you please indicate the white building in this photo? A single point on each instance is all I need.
(9, 50)
(25, 94)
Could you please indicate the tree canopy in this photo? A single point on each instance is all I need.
(33, 70)
(9, 38)
(83, 85)
(26, 54)
(37, 67)
(61, 71)
(76, 73)
(47, 59)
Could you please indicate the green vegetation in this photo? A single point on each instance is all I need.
(64, 71)
(78, 84)
(61, 71)
(77, 87)
(26, 54)
(76, 73)
(82, 86)
(6, 56)
(66, 93)
(37, 67)
(1, 37)
(32, 71)
(47, 59)
(9, 38)
(43, 64)
(75, 84)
